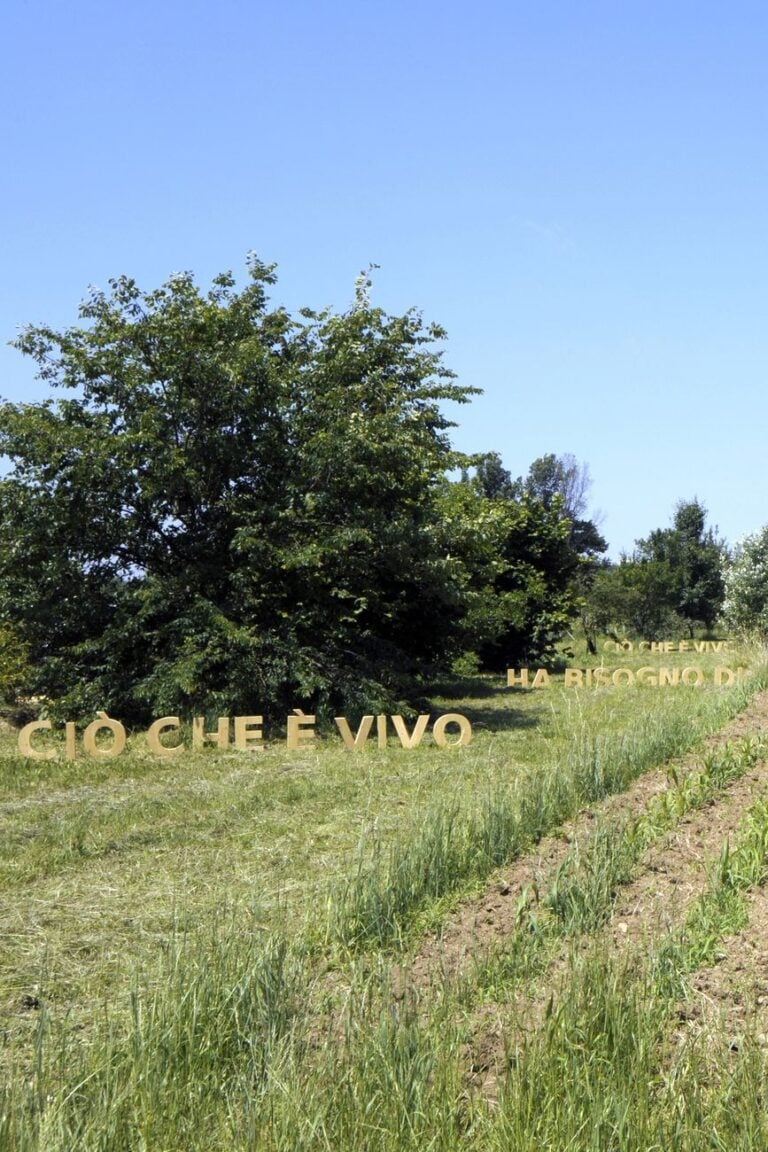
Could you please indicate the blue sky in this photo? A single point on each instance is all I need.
(577, 191)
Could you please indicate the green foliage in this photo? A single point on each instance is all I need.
(693, 557)
(633, 598)
(516, 571)
(552, 477)
(560, 481)
(494, 479)
(14, 666)
(526, 552)
(673, 579)
(535, 589)
(232, 507)
(746, 586)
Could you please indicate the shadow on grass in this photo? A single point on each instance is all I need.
(466, 687)
(467, 695)
(501, 719)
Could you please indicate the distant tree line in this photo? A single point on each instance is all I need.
(227, 507)
(673, 580)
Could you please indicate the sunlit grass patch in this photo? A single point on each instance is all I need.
(106, 867)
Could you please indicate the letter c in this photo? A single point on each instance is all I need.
(25, 741)
(153, 736)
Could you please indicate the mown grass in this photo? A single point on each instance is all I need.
(174, 923)
(99, 862)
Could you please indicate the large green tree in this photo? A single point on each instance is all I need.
(673, 579)
(553, 478)
(228, 507)
(693, 557)
(630, 598)
(517, 562)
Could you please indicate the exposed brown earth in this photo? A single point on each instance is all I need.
(484, 923)
(732, 995)
(671, 875)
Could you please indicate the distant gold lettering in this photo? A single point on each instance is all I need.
(381, 730)
(118, 736)
(413, 739)
(301, 730)
(220, 737)
(248, 733)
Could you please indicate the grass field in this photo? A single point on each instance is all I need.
(385, 949)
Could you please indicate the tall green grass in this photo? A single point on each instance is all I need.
(215, 1029)
(601, 1073)
(580, 897)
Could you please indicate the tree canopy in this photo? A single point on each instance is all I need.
(674, 578)
(746, 586)
(228, 506)
(691, 556)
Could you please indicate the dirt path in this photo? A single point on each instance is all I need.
(484, 923)
(732, 995)
(671, 876)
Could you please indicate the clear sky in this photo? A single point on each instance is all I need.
(577, 191)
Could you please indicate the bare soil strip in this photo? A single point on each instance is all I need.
(673, 874)
(479, 925)
(732, 995)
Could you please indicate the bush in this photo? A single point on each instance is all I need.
(746, 586)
